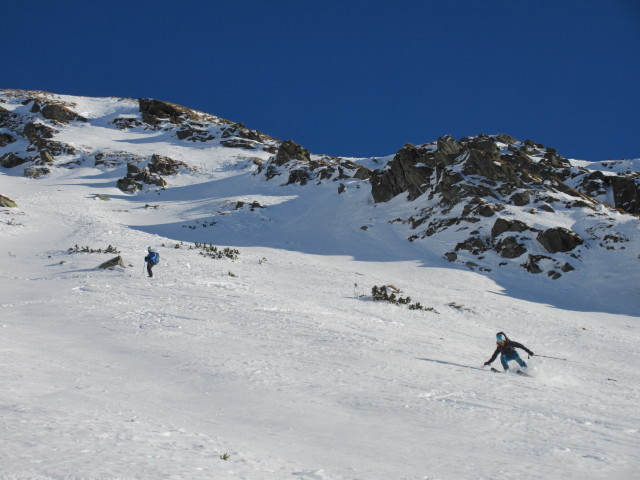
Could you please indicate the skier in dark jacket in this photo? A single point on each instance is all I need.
(507, 350)
(151, 259)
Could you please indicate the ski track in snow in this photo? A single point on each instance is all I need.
(279, 361)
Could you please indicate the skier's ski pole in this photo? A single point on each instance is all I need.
(545, 356)
(143, 269)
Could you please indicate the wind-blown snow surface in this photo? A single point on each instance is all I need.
(279, 361)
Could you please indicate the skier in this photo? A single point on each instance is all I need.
(152, 259)
(507, 350)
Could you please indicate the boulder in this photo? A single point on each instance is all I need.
(36, 171)
(520, 199)
(559, 239)
(502, 225)
(7, 202)
(129, 185)
(46, 158)
(6, 139)
(510, 248)
(60, 113)
(10, 160)
(114, 262)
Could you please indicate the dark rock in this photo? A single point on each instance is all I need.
(10, 160)
(502, 225)
(510, 248)
(559, 239)
(626, 193)
(60, 113)
(238, 143)
(114, 262)
(532, 263)
(36, 171)
(475, 245)
(363, 173)
(299, 176)
(6, 139)
(129, 185)
(521, 199)
(46, 158)
(451, 256)
(290, 150)
(165, 165)
(407, 172)
(504, 138)
(35, 132)
(153, 111)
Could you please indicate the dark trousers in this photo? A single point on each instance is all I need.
(504, 359)
(149, 267)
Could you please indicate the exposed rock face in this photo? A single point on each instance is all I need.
(453, 183)
(410, 171)
(626, 191)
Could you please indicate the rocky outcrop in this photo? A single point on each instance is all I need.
(136, 177)
(56, 112)
(154, 111)
(163, 165)
(290, 150)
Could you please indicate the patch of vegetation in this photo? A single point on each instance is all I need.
(109, 249)
(210, 251)
(381, 294)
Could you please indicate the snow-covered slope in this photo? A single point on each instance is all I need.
(279, 364)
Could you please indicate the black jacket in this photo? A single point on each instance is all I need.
(508, 347)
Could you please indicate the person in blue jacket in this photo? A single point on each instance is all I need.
(507, 350)
(152, 259)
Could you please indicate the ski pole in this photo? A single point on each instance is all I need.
(545, 356)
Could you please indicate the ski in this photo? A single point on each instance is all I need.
(518, 372)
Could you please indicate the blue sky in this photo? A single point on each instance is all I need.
(352, 78)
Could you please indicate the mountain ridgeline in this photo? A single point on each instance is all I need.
(490, 201)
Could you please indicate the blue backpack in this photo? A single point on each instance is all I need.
(155, 258)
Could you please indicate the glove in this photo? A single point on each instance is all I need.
(486, 363)
(531, 355)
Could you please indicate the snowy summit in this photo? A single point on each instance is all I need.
(310, 317)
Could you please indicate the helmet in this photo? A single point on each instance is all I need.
(150, 249)
(501, 337)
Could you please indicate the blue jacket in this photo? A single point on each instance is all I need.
(152, 257)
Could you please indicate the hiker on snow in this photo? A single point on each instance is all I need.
(152, 259)
(507, 350)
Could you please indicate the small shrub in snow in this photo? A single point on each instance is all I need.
(109, 249)
(212, 251)
(381, 294)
